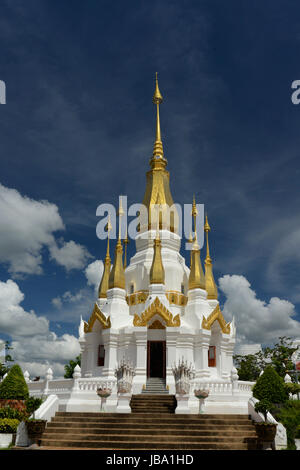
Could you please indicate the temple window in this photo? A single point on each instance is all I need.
(212, 356)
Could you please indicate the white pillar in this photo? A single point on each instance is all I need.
(171, 359)
(110, 340)
(201, 353)
(140, 378)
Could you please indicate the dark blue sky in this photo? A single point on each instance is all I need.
(78, 126)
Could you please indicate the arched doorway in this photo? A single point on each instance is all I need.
(156, 350)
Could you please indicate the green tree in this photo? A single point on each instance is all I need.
(247, 367)
(14, 386)
(270, 386)
(69, 368)
(279, 356)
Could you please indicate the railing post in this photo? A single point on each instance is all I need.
(48, 377)
(76, 376)
(234, 380)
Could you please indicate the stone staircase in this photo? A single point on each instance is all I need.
(148, 431)
(155, 385)
(164, 404)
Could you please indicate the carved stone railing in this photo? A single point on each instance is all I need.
(221, 387)
(92, 384)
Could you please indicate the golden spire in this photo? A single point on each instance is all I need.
(210, 285)
(196, 278)
(104, 284)
(158, 178)
(158, 151)
(117, 274)
(157, 272)
(126, 241)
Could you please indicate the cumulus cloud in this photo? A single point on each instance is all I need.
(27, 226)
(94, 273)
(35, 347)
(71, 255)
(257, 321)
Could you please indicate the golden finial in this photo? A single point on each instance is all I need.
(157, 272)
(104, 284)
(158, 151)
(210, 285)
(157, 98)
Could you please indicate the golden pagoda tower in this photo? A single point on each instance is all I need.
(157, 272)
(196, 277)
(158, 185)
(117, 274)
(210, 285)
(104, 284)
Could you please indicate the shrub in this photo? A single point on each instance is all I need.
(12, 413)
(8, 426)
(14, 385)
(270, 386)
(289, 416)
(263, 406)
(32, 404)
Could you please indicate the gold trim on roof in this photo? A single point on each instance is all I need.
(156, 308)
(97, 315)
(216, 314)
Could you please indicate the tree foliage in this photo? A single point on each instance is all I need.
(69, 368)
(279, 356)
(270, 386)
(14, 385)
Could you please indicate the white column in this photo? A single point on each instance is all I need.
(110, 340)
(201, 354)
(140, 378)
(171, 343)
(90, 354)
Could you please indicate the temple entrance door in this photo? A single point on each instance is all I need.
(156, 359)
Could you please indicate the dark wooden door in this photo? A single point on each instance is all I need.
(156, 359)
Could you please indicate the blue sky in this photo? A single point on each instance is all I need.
(78, 130)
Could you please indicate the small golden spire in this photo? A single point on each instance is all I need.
(117, 274)
(196, 278)
(104, 284)
(126, 241)
(157, 272)
(158, 159)
(210, 285)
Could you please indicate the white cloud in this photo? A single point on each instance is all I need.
(257, 321)
(35, 347)
(94, 273)
(71, 255)
(27, 226)
(13, 318)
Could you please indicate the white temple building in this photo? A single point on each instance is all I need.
(155, 313)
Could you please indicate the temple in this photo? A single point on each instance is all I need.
(157, 326)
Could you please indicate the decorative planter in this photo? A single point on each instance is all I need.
(201, 395)
(6, 440)
(266, 433)
(103, 393)
(35, 429)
